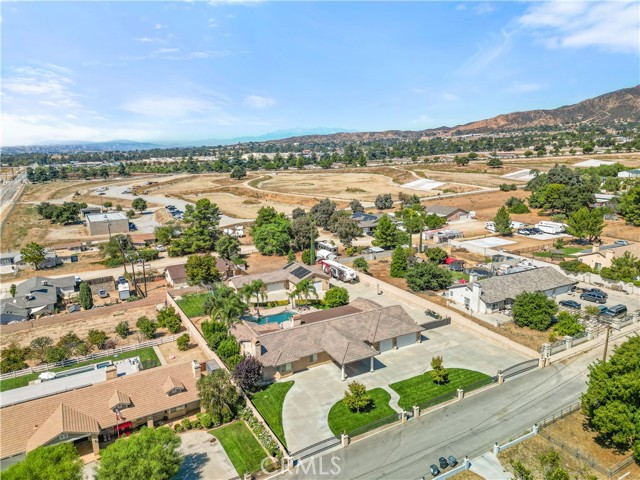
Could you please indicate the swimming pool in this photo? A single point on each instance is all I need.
(276, 318)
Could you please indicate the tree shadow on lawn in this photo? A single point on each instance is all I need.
(192, 466)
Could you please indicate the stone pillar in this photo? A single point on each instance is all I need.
(546, 350)
(568, 342)
(536, 428)
(500, 378)
(247, 476)
(403, 416)
(460, 394)
(416, 411)
(467, 463)
(150, 422)
(344, 439)
(95, 444)
(371, 367)
(496, 448)
(590, 333)
(343, 375)
(288, 462)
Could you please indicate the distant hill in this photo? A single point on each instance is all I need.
(619, 106)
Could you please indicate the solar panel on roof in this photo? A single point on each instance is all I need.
(300, 272)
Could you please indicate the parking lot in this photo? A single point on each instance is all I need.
(614, 298)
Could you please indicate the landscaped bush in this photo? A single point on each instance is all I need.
(228, 348)
(183, 342)
(261, 432)
(186, 424)
(336, 297)
(205, 420)
(575, 266)
(178, 428)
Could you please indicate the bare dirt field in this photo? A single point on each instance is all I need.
(460, 175)
(344, 186)
(81, 326)
(172, 355)
(573, 432)
(485, 204)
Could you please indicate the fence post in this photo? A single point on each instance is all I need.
(496, 448)
(460, 394)
(536, 428)
(568, 342)
(500, 378)
(467, 463)
(344, 440)
(416, 411)
(590, 333)
(403, 416)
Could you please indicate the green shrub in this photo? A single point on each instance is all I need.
(186, 424)
(183, 342)
(178, 428)
(228, 348)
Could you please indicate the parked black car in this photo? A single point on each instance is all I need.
(570, 304)
(435, 471)
(593, 297)
(443, 463)
(599, 292)
(453, 461)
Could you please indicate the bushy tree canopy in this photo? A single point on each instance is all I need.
(428, 276)
(336, 297)
(58, 462)
(201, 270)
(533, 310)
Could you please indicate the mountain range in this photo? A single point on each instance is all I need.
(614, 107)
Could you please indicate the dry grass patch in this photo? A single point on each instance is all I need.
(23, 226)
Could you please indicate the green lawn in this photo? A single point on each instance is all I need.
(241, 446)
(420, 389)
(565, 251)
(192, 305)
(147, 356)
(341, 419)
(458, 275)
(269, 403)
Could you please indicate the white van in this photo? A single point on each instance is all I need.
(491, 226)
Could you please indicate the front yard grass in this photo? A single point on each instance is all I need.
(269, 403)
(192, 305)
(244, 451)
(566, 251)
(148, 358)
(419, 389)
(341, 419)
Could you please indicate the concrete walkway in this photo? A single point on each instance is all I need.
(488, 466)
(204, 458)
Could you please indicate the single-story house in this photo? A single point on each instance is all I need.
(366, 221)
(497, 293)
(635, 173)
(101, 411)
(281, 282)
(143, 239)
(450, 213)
(51, 260)
(347, 339)
(176, 275)
(601, 256)
(603, 199)
(90, 211)
(35, 296)
(107, 223)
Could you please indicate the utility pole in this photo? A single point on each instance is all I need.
(144, 277)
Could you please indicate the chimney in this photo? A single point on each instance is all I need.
(473, 278)
(256, 347)
(111, 372)
(196, 368)
(595, 248)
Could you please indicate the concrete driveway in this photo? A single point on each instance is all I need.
(203, 459)
(314, 392)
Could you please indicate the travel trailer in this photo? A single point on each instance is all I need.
(550, 227)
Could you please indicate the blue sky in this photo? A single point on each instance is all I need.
(181, 71)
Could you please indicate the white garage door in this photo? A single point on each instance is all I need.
(318, 286)
(405, 340)
(274, 287)
(386, 345)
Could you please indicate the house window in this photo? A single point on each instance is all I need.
(313, 358)
(63, 436)
(284, 368)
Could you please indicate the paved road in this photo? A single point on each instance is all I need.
(469, 427)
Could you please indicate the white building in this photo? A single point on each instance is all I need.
(497, 293)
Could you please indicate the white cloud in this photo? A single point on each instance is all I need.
(461, 7)
(159, 26)
(212, 23)
(450, 97)
(168, 107)
(612, 26)
(423, 119)
(488, 52)
(257, 101)
(523, 88)
(47, 83)
(215, 3)
(483, 8)
(160, 51)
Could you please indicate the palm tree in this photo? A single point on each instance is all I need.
(258, 289)
(413, 222)
(225, 305)
(305, 289)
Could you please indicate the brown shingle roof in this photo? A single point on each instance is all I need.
(177, 272)
(503, 287)
(172, 383)
(144, 389)
(285, 273)
(346, 339)
(63, 420)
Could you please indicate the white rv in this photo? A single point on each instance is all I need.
(339, 271)
(325, 255)
(491, 226)
(326, 245)
(550, 227)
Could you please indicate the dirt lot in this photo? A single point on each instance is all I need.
(571, 430)
(84, 323)
(461, 175)
(485, 204)
(171, 353)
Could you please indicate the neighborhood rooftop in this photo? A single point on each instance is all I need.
(106, 217)
(293, 272)
(502, 287)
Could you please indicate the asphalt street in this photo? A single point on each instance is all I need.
(469, 427)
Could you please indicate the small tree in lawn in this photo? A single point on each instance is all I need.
(85, 297)
(436, 254)
(183, 342)
(218, 396)
(146, 327)
(122, 329)
(139, 204)
(248, 373)
(39, 347)
(33, 253)
(361, 265)
(356, 397)
(13, 290)
(399, 263)
(502, 221)
(439, 374)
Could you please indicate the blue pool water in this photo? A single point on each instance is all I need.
(277, 318)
